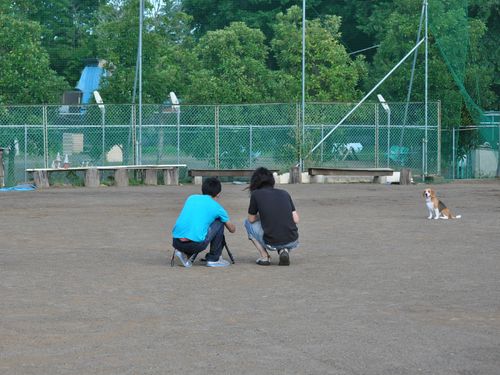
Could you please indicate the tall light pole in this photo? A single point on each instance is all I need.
(303, 104)
(426, 100)
(141, 17)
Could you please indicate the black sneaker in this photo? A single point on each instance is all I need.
(284, 257)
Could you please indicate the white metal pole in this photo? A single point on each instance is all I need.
(426, 105)
(453, 153)
(388, 136)
(303, 83)
(141, 15)
(178, 135)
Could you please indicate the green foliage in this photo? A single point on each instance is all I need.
(330, 73)
(234, 62)
(229, 51)
(25, 76)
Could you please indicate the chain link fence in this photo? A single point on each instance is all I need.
(474, 152)
(221, 136)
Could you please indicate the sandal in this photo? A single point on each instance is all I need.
(263, 261)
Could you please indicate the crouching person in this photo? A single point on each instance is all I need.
(200, 223)
(272, 219)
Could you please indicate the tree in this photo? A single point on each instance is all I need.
(234, 68)
(25, 75)
(66, 31)
(330, 73)
(117, 43)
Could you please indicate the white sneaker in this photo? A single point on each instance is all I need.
(183, 258)
(218, 263)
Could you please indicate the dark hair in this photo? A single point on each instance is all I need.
(261, 177)
(211, 186)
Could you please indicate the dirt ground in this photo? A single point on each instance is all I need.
(86, 285)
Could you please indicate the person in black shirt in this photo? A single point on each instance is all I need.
(272, 219)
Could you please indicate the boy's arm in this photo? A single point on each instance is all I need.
(230, 226)
(295, 216)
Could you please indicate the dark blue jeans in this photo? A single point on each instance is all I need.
(214, 237)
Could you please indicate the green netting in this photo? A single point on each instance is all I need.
(448, 21)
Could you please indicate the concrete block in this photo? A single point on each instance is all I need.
(319, 179)
(305, 178)
(285, 178)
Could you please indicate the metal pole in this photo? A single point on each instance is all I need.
(376, 136)
(303, 83)
(25, 152)
(322, 133)
(412, 75)
(103, 137)
(388, 136)
(365, 97)
(426, 104)
(423, 159)
(141, 15)
(453, 154)
(45, 137)
(250, 146)
(498, 152)
(178, 135)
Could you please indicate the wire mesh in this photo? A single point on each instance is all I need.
(221, 137)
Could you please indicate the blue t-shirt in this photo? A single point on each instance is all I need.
(198, 213)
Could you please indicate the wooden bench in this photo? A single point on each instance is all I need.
(361, 172)
(198, 174)
(93, 174)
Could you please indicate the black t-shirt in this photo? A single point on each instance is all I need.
(275, 208)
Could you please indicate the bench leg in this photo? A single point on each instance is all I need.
(171, 176)
(92, 178)
(121, 177)
(41, 179)
(151, 177)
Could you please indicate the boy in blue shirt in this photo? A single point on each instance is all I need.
(201, 222)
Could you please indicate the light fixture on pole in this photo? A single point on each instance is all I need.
(387, 109)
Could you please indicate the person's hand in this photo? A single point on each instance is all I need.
(230, 226)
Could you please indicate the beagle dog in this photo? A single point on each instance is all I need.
(436, 208)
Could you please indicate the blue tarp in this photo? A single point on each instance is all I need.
(23, 187)
(89, 81)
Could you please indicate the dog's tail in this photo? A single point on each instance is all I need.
(455, 217)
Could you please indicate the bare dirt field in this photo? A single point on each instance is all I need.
(86, 285)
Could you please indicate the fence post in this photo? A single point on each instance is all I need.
(453, 153)
(424, 142)
(250, 145)
(133, 136)
(103, 119)
(178, 135)
(439, 138)
(376, 136)
(298, 135)
(322, 135)
(498, 152)
(2, 184)
(216, 132)
(45, 137)
(25, 152)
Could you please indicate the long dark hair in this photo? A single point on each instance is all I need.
(261, 177)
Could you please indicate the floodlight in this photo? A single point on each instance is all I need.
(383, 102)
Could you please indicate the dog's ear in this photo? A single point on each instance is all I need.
(423, 193)
(433, 193)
